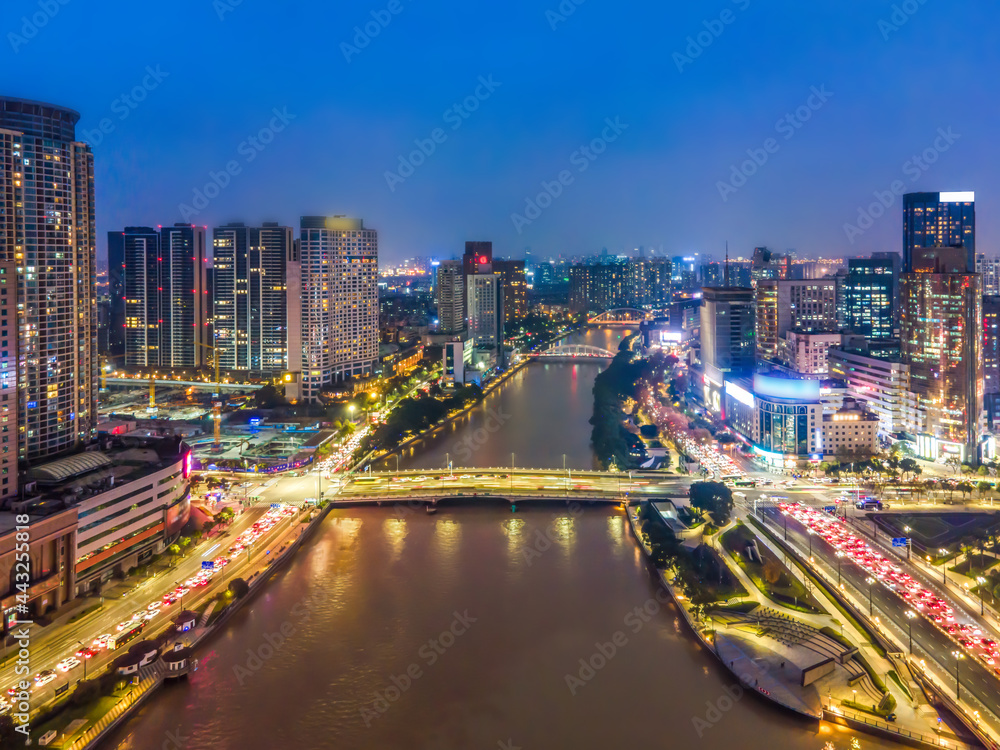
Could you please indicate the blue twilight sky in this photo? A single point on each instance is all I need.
(697, 84)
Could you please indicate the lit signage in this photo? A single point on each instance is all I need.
(966, 197)
(740, 394)
(796, 390)
(187, 464)
(674, 337)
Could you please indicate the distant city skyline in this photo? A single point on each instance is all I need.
(764, 136)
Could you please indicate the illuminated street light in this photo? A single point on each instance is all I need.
(958, 685)
(910, 614)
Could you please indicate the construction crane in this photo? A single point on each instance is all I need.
(216, 405)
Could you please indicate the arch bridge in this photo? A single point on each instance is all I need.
(571, 351)
(620, 316)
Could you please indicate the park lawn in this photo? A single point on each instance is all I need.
(91, 711)
(936, 530)
(787, 591)
(975, 565)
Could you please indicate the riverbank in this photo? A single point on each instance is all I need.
(744, 667)
(151, 678)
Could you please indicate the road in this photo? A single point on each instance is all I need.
(979, 687)
(48, 650)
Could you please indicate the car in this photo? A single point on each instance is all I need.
(70, 662)
(86, 652)
(169, 599)
(154, 606)
(102, 641)
(44, 677)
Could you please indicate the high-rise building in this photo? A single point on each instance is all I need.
(939, 220)
(783, 305)
(478, 255)
(769, 265)
(166, 295)
(991, 344)
(250, 303)
(339, 266)
(451, 297)
(48, 310)
(941, 341)
(120, 246)
(869, 301)
(727, 329)
(515, 290)
(989, 269)
(484, 299)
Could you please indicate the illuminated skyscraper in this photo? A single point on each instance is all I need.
(339, 267)
(939, 220)
(250, 296)
(451, 297)
(48, 304)
(941, 340)
(869, 304)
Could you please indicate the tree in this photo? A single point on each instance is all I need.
(8, 733)
(184, 541)
(965, 488)
(908, 465)
(715, 498)
(269, 397)
(983, 471)
(174, 550)
(983, 487)
(772, 571)
(239, 588)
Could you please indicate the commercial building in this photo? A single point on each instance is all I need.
(806, 306)
(515, 291)
(51, 548)
(484, 301)
(880, 383)
(939, 220)
(849, 432)
(989, 269)
(250, 296)
(727, 329)
(131, 500)
(788, 415)
(457, 357)
(991, 344)
(808, 353)
(870, 293)
(641, 283)
(48, 302)
(339, 268)
(941, 341)
(451, 297)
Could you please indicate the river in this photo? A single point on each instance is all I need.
(458, 631)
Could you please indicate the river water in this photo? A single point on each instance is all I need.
(465, 630)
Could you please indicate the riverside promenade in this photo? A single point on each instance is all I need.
(768, 648)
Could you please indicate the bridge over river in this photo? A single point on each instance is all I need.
(497, 484)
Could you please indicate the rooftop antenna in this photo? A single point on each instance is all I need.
(727, 264)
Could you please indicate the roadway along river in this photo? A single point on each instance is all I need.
(457, 631)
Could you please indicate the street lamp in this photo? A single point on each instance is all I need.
(958, 685)
(840, 559)
(910, 614)
(944, 565)
(512, 457)
(810, 534)
(870, 581)
(982, 607)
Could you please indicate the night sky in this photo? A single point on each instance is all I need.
(685, 113)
